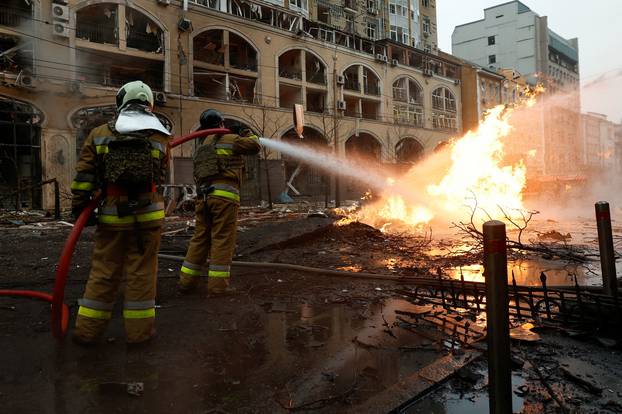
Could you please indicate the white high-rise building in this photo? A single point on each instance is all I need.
(511, 35)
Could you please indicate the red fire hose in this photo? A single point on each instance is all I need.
(60, 312)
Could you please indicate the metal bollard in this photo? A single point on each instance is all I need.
(605, 246)
(498, 319)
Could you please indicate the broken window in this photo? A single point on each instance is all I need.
(15, 13)
(352, 107)
(351, 76)
(315, 71)
(224, 86)
(20, 159)
(98, 24)
(316, 100)
(443, 99)
(407, 90)
(370, 109)
(371, 83)
(444, 103)
(290, 65)
(408, 102)
(110, 69)
(241, 54)
(230, 51)
(16, 56)
(209, 47)
(289, 96)
(142, 33)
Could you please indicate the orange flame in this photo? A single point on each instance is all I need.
(439, 186)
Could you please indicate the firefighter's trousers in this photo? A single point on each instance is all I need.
(214, 238)
(117, 252)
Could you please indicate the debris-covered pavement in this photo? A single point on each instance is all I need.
(289, 340)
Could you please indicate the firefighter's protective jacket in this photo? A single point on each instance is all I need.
(229, 149)
(90, 177)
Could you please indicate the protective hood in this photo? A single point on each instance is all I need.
(135, 118)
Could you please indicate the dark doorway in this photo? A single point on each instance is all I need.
(309, 181)
(20, 154)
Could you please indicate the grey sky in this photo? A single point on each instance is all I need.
(597, 24)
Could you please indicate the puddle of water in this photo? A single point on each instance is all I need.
(339, 347)
(449, 401)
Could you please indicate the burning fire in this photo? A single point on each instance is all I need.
(471, 170)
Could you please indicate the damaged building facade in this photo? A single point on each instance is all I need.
(367, 94)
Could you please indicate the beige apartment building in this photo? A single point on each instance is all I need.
(365, 97)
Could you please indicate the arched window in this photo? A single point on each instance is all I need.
(140, 43)
(408, 151)
(444, 109)
(361, 90)
(443, 99)
(364, 146)
(225, 66)
(302, 79)
(306, 179)
(20, 154)
(408, 102)
(99, 23)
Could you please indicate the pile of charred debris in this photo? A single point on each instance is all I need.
(366, 322)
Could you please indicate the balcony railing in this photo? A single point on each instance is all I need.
(400, 94)
(408, 114)
(97, 33)
(13, 17)
(145, 42)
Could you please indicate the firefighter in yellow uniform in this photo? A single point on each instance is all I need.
(125, 159)
(217, 171)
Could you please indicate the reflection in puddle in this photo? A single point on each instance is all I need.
(526, 272)
(449, 401)
(339, 347)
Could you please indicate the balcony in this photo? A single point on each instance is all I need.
(290, 65)
(408, 115)
(114, 70)
(13, 17)
(98, 24)
(97, 33)
(151, 42)
(315, 70)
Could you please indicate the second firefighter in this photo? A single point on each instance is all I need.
(218, 166)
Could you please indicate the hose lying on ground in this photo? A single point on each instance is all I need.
(299, 268)
(60, 312)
